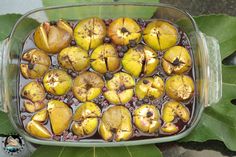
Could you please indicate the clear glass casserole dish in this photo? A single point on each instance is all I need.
(206, 60)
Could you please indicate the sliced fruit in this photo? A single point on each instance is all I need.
(176, 60)
(87, 86)
(53, 38)
(89, 33)
(116, 124)
(140, 59)
(38, 64)
(74, 58)
(124, 30)
(180, 87)
(150, 87)
(33, 91)
(60, 116)
(160, 35)
(147, 118)
(41, 116)
(57, 82)
(33, 106)
(64, 25)
(173, 109)
(105, 58)
(37, 130)
(170, 111)
(120, 88)
(169, 128)
(86, 119)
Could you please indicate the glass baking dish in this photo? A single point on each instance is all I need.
(205, 49)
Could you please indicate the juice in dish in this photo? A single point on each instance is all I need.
(111, 79)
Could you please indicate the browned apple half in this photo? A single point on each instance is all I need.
(60, 116)
(38, 130)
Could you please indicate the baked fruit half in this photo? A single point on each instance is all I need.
(86, 119)
(60, 116)
(87, 86)
(57, 82)
(53, 38)
(123, 30)
(160, 35)
(116, 124)
(38, 64)
(120, 88)
(147, 118)
(89, 33)
(150, 87)
(36, 129)
(105, 59)
(170, 111)
(34, 94)
(140, 60)
(176, 60)
(74, 58)
(180, 87)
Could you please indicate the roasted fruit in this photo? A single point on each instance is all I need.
(179, 87)
(41, 116)
(86, 119)
(160, 35)
(140, 59)
(169, 128)
(89, 33)
(36, 129)
(74, 58)
(150, 87)
(33, 91)
(87, 86)
(120, 88)
(33, 106)
(38, 64)
(35, 95)
(147, 118)
(170, 111)
(116, 124)
(176, 60)
(173, 109)
(105, 58)
(57, 82)
(60, 116)
(53, 38)
(124, 30)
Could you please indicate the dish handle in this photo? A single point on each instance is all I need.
(213, 69)
(3, 62)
